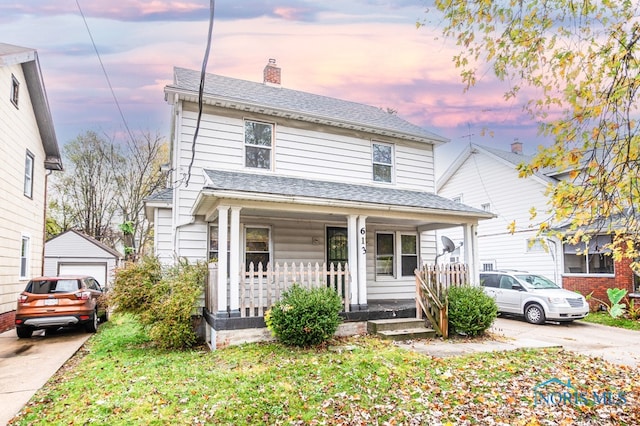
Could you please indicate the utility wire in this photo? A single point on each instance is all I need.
(203, 74)
(104, 71)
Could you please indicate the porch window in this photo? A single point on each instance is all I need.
(382, 162)
(409, 254)
(258, 143)
(589, 257)
(257, 246)
(384, 255)
(214, 246)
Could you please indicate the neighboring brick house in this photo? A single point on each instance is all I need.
(29, 152)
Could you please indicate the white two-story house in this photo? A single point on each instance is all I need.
(28, 152)
(285, 178)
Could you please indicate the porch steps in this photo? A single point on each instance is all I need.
(400, 329)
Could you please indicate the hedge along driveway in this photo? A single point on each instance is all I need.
(359, 380)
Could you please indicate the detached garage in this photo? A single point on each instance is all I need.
(73, 253)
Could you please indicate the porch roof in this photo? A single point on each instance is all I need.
(252, 186)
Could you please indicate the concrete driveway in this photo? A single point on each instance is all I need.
(612, 344)
(27, 364)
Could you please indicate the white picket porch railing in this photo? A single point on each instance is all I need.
(261, 287)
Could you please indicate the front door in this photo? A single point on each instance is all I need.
(337, 254)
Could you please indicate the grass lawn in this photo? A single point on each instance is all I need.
(118, 378)
(605, 319)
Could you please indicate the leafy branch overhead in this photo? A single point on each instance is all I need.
(575, 66)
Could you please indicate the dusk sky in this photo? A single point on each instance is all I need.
(367, 51)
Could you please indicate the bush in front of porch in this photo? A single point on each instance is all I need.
(471, 311)
(305, 317)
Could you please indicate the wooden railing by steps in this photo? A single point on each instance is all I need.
(432, 283)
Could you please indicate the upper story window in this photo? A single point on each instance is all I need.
(486, 207)
(28, 175)
(258, 144)
(382, 154)
(15, 90)
(457, 199)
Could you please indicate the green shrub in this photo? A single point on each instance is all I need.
(305, 317)
(134, 285)
(471, 311)
(163, 301)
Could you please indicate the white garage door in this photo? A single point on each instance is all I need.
(95, 270)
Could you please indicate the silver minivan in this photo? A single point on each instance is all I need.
(535, 297)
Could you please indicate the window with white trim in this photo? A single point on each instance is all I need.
(258, 144)
(28, 175)
(409, 254)
(457, 199)
(488, 265)
(396, 254)
(382, 156)
(25, 249)
(15, 90)
(385, 248)
(257, 246)
(485, 207)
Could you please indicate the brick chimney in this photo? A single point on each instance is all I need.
(516, 147)
(272, 73)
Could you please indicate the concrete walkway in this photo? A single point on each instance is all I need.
(27, 364)
(615, 345)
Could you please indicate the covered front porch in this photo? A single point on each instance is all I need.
(364, 241)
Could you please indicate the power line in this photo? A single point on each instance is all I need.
(104, 71)
(203, 74)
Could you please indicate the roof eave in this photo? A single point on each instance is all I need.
(219, 101)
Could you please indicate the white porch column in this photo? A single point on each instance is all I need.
(223, 223)
(234, 262)
(352, 235)
(471, 252)
(362, 262)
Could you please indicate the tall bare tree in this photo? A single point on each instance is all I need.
(103, 189)
(140, 177)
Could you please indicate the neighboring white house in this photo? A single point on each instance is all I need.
(487, 178)
(280, 176)
(29, 151)
(73, 253)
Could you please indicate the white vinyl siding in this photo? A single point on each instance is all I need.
(483, 179)
(308, 153)
(19, 215)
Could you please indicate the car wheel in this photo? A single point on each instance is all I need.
(92, 325)
(534, 314)
(24, 332)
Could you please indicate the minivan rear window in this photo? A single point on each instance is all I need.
(52, 286)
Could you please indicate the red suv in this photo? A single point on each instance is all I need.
(52, 302)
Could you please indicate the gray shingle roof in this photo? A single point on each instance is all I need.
(289, 186)
(279, 101)
(165, 195)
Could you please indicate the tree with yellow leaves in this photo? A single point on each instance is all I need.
(582, 61)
